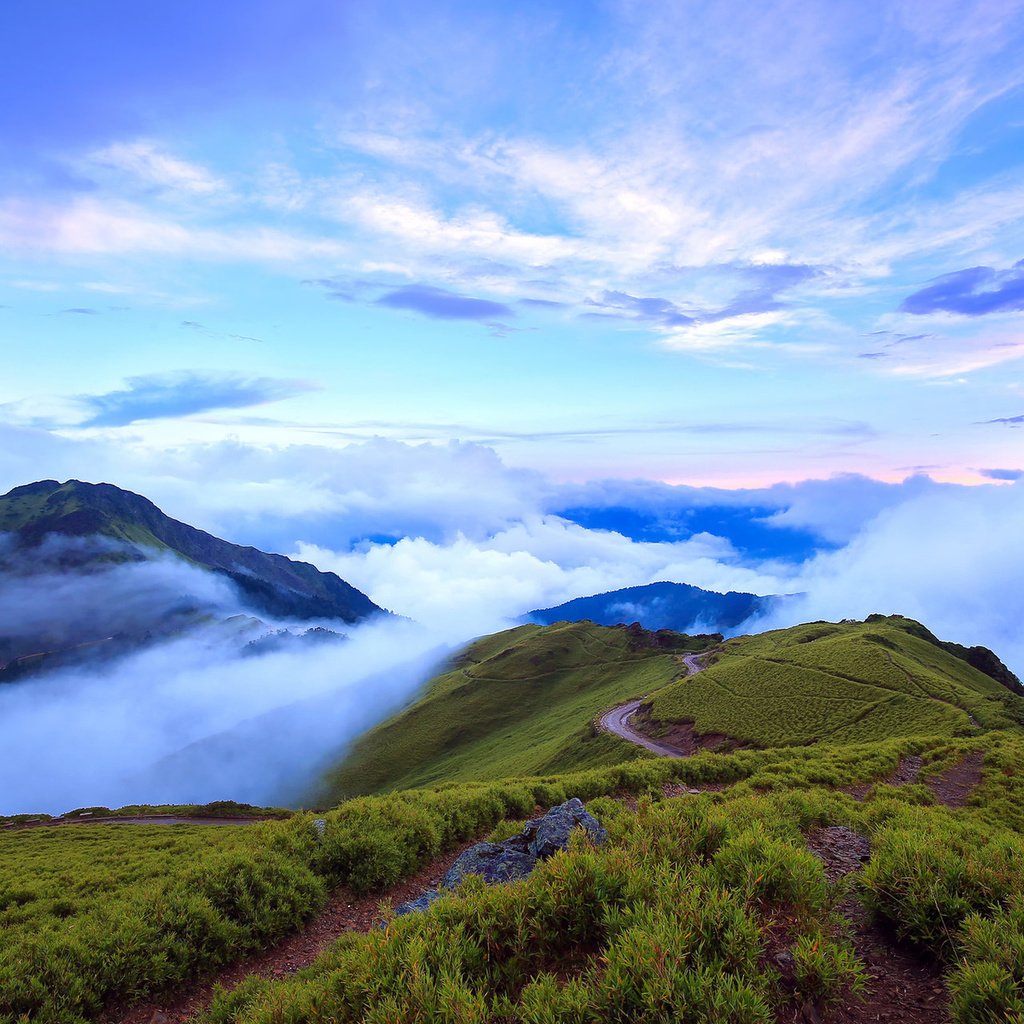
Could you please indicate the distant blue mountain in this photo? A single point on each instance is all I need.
(676, 606)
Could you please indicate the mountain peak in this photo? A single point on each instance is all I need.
(272, 583)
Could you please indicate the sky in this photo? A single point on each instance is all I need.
(691, 242)
(487, 306)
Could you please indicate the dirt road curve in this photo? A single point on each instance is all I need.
(616, 721)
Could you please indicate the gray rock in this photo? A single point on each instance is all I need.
(418, 904)
(494, 862)
(517, 856)
(551, 833)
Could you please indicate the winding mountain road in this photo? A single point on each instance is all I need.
(616, 721)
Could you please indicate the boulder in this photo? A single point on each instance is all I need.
(516, 856)
(551, 833)
(494, 862)
(418, 904)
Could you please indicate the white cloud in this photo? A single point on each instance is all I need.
(474, 230)
(145, 162)
(96, 227)
(539, 562)
(952, 559)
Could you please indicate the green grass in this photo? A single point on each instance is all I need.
(671, 922)
(214, 809)
(525, 701)
(837, 683)
(519, 702)
(93, 915)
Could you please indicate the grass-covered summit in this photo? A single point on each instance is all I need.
(525, 701)
(845, 682)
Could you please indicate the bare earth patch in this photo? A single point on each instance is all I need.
(904, 774)
(955, 785)
(901, 985)
(681, 735)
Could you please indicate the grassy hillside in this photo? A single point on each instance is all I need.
(841, 683)
(523, 701)
(717, 907)
(518, 702)
(710, 888)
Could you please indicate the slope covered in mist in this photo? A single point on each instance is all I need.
(271, 583)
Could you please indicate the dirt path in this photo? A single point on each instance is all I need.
(616, 721)
(900, 985)
(955, 785)
(905, 773)
(344, 913)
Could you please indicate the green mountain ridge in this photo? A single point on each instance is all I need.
(272, 583)
(524, 701)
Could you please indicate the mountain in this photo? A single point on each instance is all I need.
(513, 703)
(90, 572)
(272, 584)
(525, 701)
(677, 606)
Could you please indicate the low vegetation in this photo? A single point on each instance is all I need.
(838, 683)
(682, 916)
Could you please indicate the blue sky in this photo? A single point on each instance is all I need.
(707, 243)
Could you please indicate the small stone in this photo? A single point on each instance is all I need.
(418, 904)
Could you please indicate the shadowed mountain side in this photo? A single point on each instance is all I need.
(677, 606)
(519, 702)
(272, 584)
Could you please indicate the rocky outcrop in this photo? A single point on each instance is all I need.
(517, 856)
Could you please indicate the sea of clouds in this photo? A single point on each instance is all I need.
(452, 538)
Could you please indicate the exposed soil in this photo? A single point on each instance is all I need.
(344, 913)
(900, 984)
(842, 850)
(955, 785)
(682, 789)
(681, 735)
(905, 773)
